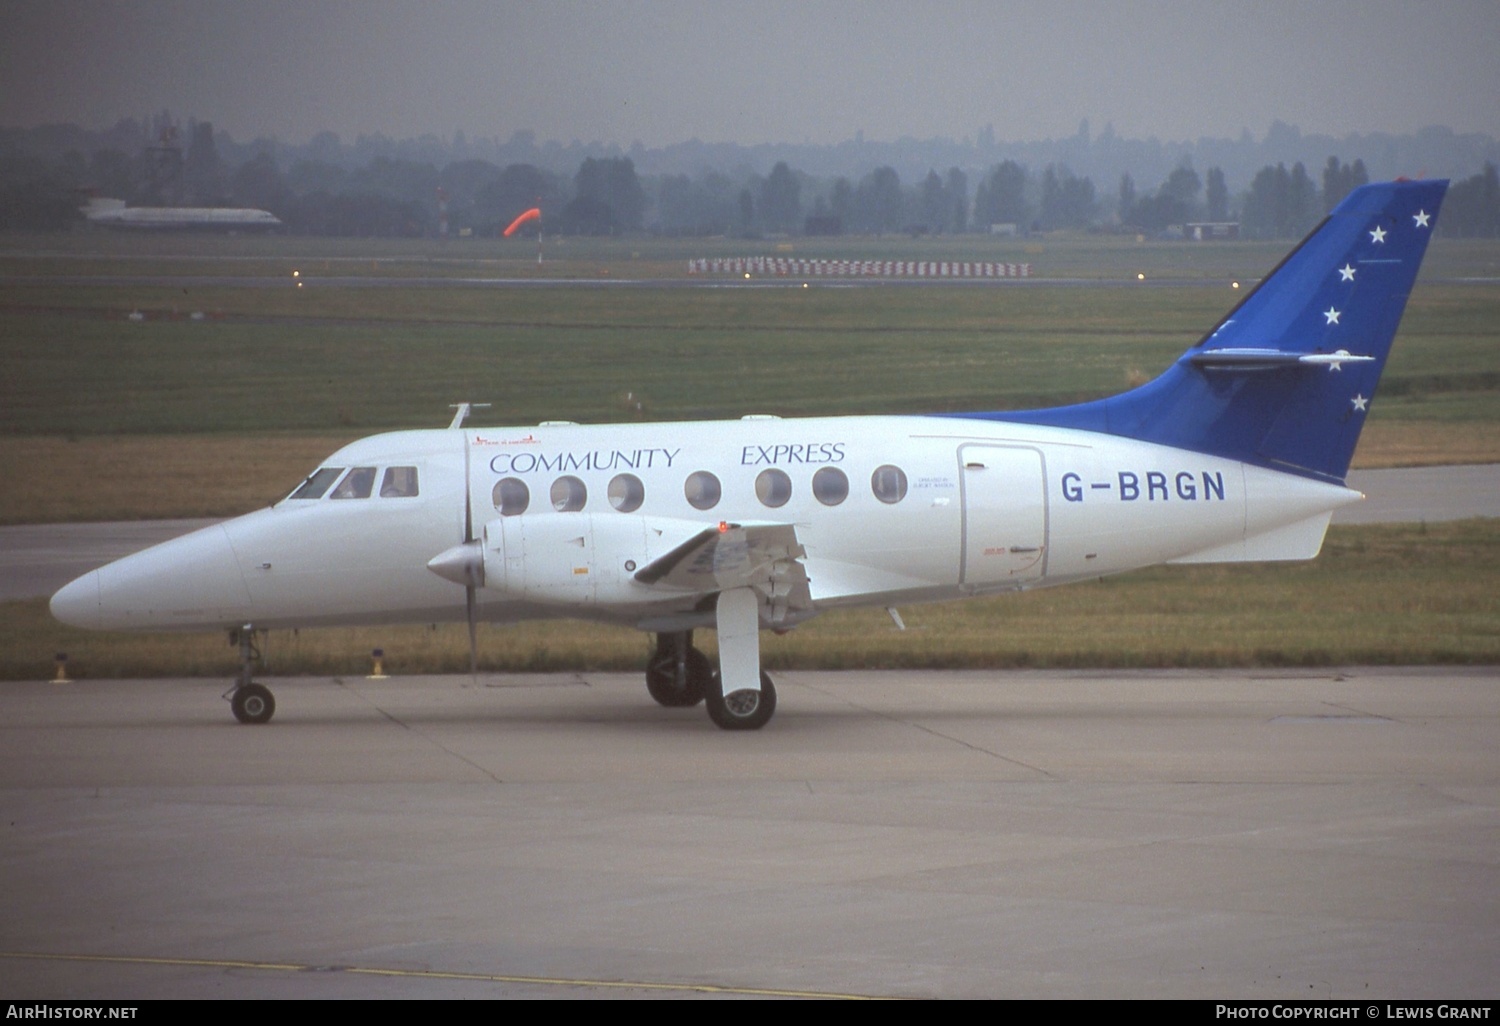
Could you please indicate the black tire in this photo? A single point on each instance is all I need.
(661, 680)
(253, 703)
(742, 710)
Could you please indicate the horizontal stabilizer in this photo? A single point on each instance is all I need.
(1302, 540)
(1250, 360)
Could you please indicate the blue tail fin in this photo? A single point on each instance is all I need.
(1285, 380)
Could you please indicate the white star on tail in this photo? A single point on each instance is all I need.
(1360, 402)
(1421, 217)
(1332, 315)
(1346, 273)
(1377, 235)
(1335, 365)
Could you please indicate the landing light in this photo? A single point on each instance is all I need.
(1234, 284)
(1140, 277)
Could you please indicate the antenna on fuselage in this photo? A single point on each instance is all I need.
(462, 413)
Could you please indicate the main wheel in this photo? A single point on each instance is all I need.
(742, 710)
(253, 703)
(661, 679)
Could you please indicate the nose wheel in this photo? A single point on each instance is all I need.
(250, 702)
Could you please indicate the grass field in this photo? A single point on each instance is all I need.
(1377, 594)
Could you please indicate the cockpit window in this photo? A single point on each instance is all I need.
(398, 483)
(318, 483)
(357, 484)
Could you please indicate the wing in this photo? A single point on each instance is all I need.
(762, 556)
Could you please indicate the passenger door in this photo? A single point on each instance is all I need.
(1005, 516)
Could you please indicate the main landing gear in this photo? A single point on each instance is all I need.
(742, 710)
(680, 675)
(250, 702)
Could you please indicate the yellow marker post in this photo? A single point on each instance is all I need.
(62, 669)
(377, 656)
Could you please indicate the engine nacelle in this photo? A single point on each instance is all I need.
(578, 558)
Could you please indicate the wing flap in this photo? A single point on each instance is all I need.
(763, 556)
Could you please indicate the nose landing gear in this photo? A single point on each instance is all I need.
(250, 702)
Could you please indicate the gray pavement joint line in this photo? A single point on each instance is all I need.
(341, 682)
(438, 974)
(935, 733)
(1357, 711)
(1424, 722)
(1463, 801)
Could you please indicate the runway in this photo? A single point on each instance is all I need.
(1230, 834)
(1423, 494)
(722, 281)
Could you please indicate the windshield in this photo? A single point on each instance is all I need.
(317, 483)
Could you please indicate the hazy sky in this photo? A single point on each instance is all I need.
(663, 71)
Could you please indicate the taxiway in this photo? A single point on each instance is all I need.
(1230, 834)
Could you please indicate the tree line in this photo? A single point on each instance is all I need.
(392, 196)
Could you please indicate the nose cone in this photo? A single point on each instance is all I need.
(188, 583)
(77, 604)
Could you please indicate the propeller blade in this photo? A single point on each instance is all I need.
(473, 632)
(475, 571)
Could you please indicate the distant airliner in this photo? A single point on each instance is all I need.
(1237, 452)
(113, 213)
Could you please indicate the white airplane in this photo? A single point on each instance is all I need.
(1237, 452)
(113, 213)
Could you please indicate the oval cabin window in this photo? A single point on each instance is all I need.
(702, 490)
(830, 486)
(511, 496)
(888, 483)
(626, 493)
(569, 494)
(773, 488)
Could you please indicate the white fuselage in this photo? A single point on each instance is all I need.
(972, 506)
